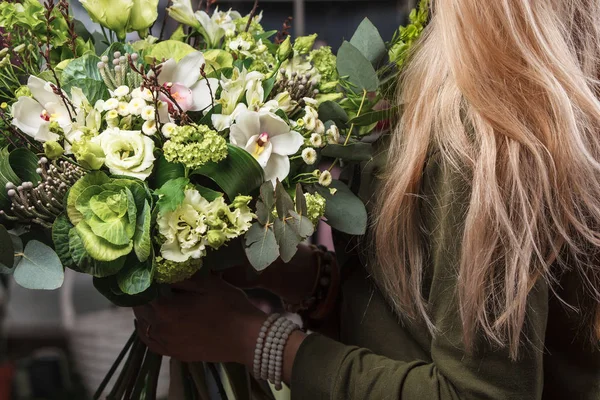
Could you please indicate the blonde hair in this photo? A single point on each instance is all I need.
(507, 92)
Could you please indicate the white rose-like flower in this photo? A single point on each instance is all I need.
(325, 178)
(127, 152)
(123, 109)
(136, 106)
(333, 135)
(121, 91)
(316, 140)
(149, 128)
(168, 129)
(269, 139)
(184, 229)
(320, 128)
(148, 113)
(111, 104)
(144, 94)
(310, 118)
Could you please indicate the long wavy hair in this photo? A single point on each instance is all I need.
(507, 92)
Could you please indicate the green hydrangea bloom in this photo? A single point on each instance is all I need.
(315, 203)
(167, 271)
(326, 63)
(194, 146)
(406, 36)
(255, 27)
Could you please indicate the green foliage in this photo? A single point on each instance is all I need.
(135, 277)
(344, 211)
(40, 268)
(83, 73)
(332, 111)
(368, 41)
(109, 287)
(359, 71)
(168, 49)
(17, 166)
(352, 152)
(226, 174)
(171, 194)
(165, 171)
(373, 117)
(406, 36)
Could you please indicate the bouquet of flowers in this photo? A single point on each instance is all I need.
(145, 162)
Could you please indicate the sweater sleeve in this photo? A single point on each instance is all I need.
(326, 369)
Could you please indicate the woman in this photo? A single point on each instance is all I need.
(485, 280)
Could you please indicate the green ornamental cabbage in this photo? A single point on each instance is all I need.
(110, 218)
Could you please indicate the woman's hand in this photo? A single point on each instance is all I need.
(203, 320)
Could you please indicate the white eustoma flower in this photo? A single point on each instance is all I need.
(184, 229)
(269, 139)
(34, 116)
(309, 155)
(127, 152)
(218, 24)
(182, 80)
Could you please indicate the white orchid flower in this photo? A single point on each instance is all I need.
(218, 24)
(183, 81)
(34, 116)
(224, 121)
(269, 139)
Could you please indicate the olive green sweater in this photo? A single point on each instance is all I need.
(381, 356)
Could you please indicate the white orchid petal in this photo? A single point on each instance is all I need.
(26, 117)
(287, 144)
(247, 124)
(187, 71)
(202, 95)
(221, 121)
(273, 125)
(39, 92)
(167, 71)
(278, 167)
(265, 154)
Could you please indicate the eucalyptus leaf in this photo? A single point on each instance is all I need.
(165, 171)
(374, 117)
(261, 246)
(226, 174)
(40, 268)
(332, 111)
(263, 214)
(301, 207)
(7, 250)
(302, 225)
(368, 41)
(344, 211)
(136, 277)
(354, 65)
(267, 195)
(283, 201)
(353, 152)
(287, 239)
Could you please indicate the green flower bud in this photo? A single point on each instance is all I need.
(285, 50)
(241, 201)
(123, 16)
(19, 48)
(23, 91)
(89, 155)
(216, 238)
(53, 150)
(4, 52)
(304, 44)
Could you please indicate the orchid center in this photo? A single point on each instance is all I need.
(46, 116)
(261, 142)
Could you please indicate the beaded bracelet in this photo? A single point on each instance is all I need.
(270, 345)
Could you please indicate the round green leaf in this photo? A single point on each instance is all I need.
(360, 72)
(261, 246)
(169, 49)
(344, 211)
(136, 277)
(238, 174)
(368, 41)
(40, 268)
(287, 239)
